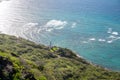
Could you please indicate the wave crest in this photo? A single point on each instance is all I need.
(31, 30)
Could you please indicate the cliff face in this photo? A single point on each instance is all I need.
(21, 59)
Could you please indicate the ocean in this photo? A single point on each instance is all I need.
(91, 28)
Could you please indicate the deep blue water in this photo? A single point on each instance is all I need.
(91, 28)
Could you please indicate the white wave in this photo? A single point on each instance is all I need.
(101, 40)
(110, 41)
(49, 26)
(115, 33)
(112, 37)
(92, 39)
(112, 32)
(117, 38)
(109, 30)
(31, 29)
(56, 23)
(28, 30)
(74, 25)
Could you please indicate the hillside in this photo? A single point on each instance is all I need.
(21, 59)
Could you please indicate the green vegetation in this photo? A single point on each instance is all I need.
(21, 59)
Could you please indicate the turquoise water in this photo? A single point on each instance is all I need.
(91, 28)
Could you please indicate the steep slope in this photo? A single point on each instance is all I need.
(21, 59)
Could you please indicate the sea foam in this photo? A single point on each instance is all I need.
(110, 41)
(92, 39)
(55, 23)
(101, 40)
(112, 37)
(115, 33)
(31, 29)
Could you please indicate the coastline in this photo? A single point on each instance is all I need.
(94, 63)
(91, 63)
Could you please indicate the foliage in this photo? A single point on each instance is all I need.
(22, 59)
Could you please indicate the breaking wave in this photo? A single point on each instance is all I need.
(29, 30)
(113, 36)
